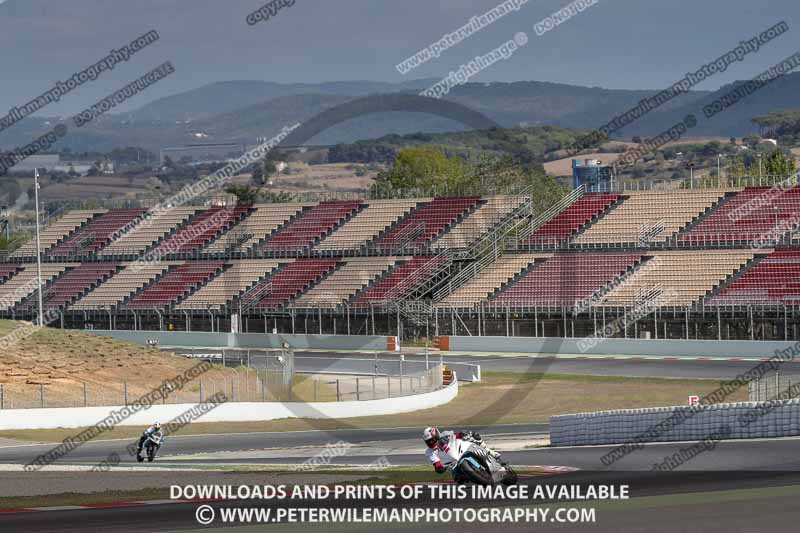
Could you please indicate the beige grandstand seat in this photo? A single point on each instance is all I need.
(266, 219)
(25, 283)
(489, 279)
(366, 225)
(127, 281)
(148, 232)
(57, 231)
(345, 282)
(680, 277)
(230, 284)
(650, 216)
(481, 221)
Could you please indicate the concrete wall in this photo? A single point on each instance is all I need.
(673, 348)
(250, 340)
(746, 420)
(464, 371)
(230, 412)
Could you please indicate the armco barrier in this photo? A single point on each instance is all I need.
(250, 340)
(388, 364)
(230, 412)
(671, 347)
(747, 420)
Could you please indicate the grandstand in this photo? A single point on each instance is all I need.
(709, 263)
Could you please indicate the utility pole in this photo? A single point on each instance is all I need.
(38, 246)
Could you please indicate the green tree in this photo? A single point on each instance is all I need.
(244, 193)
(778, 164)
(736, 167)
(424, 170)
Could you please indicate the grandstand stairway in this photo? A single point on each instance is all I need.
(396, 283)
(566, 224)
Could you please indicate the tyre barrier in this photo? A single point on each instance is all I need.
(746, 420)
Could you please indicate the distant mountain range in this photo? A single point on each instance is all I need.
(241, 111)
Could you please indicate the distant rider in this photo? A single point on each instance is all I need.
(152, 431)
(443, 448)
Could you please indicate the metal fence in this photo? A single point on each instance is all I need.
(331, 387)
(773, 386)
(269, 377)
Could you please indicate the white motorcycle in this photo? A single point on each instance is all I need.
(476, 465)
(151, 446)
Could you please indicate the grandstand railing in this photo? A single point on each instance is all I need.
(410, 286)
(561, 205)
(485, 250)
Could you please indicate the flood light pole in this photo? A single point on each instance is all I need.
(38, 246)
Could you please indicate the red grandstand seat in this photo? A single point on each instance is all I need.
(203, 228)
(425, 223)
(313, 224)
(96, 233)
(571, 219)
(176, 284)
(287, 283)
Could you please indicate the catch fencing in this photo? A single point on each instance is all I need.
(250, 376)
(774, 386)
(337, 380)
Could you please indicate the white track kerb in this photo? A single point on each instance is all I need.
(79, 417)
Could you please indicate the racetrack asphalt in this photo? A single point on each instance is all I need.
(625, 366)
(732, 465)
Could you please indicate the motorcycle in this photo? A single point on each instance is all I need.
(151, 446)
(478, 466)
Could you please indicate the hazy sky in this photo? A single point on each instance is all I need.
(614, 44)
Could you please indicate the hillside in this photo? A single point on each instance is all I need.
(63, 360)
(243, 111)
(736, 120)
(526, 143)
(223, 97)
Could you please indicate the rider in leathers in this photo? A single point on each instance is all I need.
(441, 451)
(154, 431)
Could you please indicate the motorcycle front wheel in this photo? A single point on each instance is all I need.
(477, 475)
(511, 477)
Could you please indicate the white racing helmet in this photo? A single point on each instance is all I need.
(431, 436)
